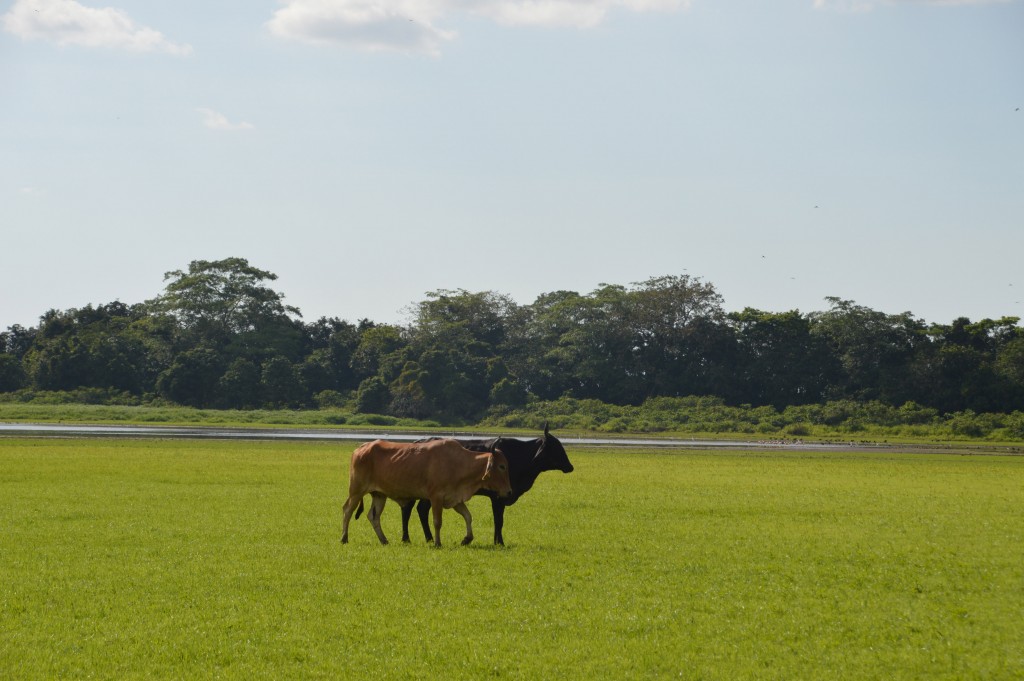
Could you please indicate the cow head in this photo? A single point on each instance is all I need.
(551, 455)
(496, 473)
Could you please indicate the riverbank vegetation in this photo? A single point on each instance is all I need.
(664, 417)
(657, 356)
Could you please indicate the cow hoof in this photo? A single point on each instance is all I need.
(344, 540)
(467, 540)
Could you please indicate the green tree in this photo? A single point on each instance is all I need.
(664, 336)
(193, 378)
(380, 351)
(373, 396)
(1010, 361)
(282, 384)
(508, 393)
(107, 346)
(966, 366)
(480, 315)
(408, 395)
(12, 375)
(328, 364)
(876, 351)
(780, 361)
(682, 341)
(16, 340)
(217, 299)
(240, 387)
(453, 340)
(537, 348)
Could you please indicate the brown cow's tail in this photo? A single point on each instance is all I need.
(359, 509)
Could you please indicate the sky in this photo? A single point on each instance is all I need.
(371, 151)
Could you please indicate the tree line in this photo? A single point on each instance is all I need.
(220, 336)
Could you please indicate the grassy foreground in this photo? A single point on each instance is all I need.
(181, 559)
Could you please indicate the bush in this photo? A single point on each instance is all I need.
(372, 420)
(1015, 425)
(617, 425)
(962, 425)
(913, 414)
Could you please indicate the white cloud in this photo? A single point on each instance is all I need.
(562, 13)
(32, 192)
(864, 5)
(410, 25)
(67, 22)
(214, 120)
(397, 25)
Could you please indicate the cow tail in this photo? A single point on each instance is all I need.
(359, 509)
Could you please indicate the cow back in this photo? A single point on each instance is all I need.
(419, 470)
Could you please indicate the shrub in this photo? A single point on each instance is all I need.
(911, 413)
(616, 425)
(964, 423)
(1014, 424)
(372, 420)
(329, 399)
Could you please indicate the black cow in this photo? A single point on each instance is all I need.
(526, 460)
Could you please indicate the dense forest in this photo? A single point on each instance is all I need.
(219, 336)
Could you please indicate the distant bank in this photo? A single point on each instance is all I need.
(322, 434)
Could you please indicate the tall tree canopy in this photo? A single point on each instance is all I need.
(221, 336)
(222, 297)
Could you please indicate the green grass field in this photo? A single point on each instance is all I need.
(152, 559)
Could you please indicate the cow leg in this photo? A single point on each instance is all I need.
(376, 508)
(406, 515)
(498, 508)
(438, 508)
(423, 508)
(348, 509)
(464, 512)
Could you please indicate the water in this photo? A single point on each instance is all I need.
(212, 432)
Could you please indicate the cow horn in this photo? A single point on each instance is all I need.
(545, 429)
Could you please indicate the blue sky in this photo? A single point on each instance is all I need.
(368, 152)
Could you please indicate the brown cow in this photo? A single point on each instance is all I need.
(439, 470)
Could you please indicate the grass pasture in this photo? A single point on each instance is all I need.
(182, 559)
